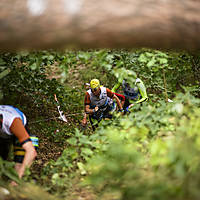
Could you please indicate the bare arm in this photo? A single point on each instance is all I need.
(122, 103)
(121, 98)
(18, 129)
(30, 154)
(90, 111)
(84, 121)
(118, 102)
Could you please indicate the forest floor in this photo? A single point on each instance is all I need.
(52, 143)
(49, 149)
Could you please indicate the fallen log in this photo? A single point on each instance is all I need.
(56, 24)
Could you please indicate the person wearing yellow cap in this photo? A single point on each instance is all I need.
(97, 102)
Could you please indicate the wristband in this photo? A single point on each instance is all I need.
(93, 110)
(25, 141)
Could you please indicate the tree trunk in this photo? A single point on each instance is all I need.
(44, 24)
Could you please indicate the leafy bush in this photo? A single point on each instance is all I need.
(152, 153)
(27, 85)
(7, 171)
(142, 161)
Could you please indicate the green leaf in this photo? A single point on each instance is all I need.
(4, 73)
(81, 168)
(163, 61)
(33, 66)
(148, 54)
(151, 62)
(87, 151)
(2, 62)
(51, 57)
(142, 58)
(72, 141)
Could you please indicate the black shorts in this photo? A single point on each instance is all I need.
(5, 145)
(126, 103)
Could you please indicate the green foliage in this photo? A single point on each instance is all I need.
(152, 153)
(152, 160)
(30, 191)
(80, 148)
(179, 68)
(7, 171)
(27, 84)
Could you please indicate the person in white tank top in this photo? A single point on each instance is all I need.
(12, 124)
(97, 98)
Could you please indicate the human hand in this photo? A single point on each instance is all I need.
(131, 105)
(84, 122)
(96, 109)
(13, 183)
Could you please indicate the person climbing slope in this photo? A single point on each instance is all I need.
(97, 102)
(133, 88)
(13, 130)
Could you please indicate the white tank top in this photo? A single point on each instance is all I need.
(9, 114)
(100, 100)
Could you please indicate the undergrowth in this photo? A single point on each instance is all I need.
(140, 155)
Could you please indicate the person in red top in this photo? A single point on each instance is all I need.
(98, 102)
(121, 97)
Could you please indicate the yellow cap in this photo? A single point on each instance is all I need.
(94, 83)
